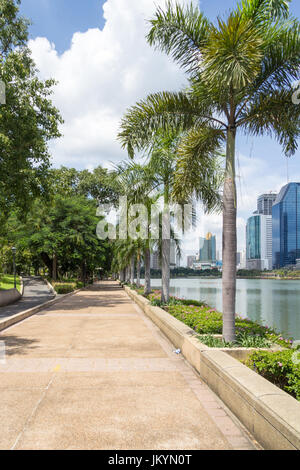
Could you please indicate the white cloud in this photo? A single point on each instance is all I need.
(100, 76)
(106, 71)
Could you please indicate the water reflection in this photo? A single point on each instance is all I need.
(270, 302)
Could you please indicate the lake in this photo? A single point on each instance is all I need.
(269, 302)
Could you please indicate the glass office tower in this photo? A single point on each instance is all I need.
(286, 226)
(259, 242)
(207, 248)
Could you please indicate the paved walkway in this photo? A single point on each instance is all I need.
(93, 372)
(36, 292)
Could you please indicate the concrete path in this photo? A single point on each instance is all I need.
(92, 372)
(36, 292)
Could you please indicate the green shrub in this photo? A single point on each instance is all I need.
(277, 367)
(64, 288)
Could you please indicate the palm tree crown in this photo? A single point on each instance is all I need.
(241, 71)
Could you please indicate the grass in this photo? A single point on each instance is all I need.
(243, 340)
(7, 282)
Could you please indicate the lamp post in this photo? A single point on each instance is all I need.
(14, 249)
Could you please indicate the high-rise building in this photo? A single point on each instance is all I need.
(207, 253)
(286, 226)
(190, 261)
(259, 242)
(154, 260)
(265, 203)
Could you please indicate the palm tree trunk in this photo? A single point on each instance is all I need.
(128, 274)
(229, 241)
(147, 287)
(138, 272)
(132, 268)
(165, 246)
(165, 270)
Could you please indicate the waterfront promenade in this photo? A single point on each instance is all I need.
(93, 372)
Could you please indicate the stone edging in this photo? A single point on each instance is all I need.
(9, 296)
(9, 321)
(50, 287)
(270, 414)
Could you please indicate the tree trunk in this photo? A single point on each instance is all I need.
(165, 247)
(138, 272)
(229, 241)
(132, 269)
(165, 270)
(128, 274)
(147, 287)
(48, 262)
(54, 268)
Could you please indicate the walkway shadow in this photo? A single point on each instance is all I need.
(16, 345)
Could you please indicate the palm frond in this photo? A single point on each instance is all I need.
(274, 115)
(198, 168)
(280, 64)
(233, 53)
(261, 10)
(170, 112)
(180, 32)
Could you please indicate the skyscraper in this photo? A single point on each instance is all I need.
(207, 253)
(265, 203)
(286, 226)
(259, 242)
(190, 261)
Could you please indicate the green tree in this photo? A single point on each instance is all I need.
(28, 120)
(241, 71)
(62, 235)
(97, 184)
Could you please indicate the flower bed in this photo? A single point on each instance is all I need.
(278, 367)
(208, 321)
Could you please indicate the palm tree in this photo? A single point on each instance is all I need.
(240, 72)
(133, 182)
(159, 176)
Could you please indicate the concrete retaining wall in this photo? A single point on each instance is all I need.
(271, 415)
(9, 296)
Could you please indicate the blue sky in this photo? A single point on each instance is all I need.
(103, 65)
(59, 19)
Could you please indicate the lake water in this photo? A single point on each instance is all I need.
(269, 302)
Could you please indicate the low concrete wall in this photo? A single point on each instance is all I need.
(271, 415)
(9, 296)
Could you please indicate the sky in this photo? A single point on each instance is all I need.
(96, 50)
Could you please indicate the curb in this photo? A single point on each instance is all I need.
(22, 286)
(50, 287)
(6, 323)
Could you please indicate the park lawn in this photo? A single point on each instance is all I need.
(7, 282)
